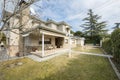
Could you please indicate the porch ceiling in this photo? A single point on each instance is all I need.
(47, 31)
(52, 33)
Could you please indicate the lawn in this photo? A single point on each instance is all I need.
(79, 67)
(91, 50)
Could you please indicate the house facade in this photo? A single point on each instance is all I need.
(36, 36)
(47, 35)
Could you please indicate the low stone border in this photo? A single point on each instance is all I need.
(40, 58)
(114, 67)
(93, 54)
(103, 50)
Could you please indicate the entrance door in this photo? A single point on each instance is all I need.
(59, 42)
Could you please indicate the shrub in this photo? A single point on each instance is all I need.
(107, 46)
(115, 39)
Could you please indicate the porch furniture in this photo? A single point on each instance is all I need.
(49, 47)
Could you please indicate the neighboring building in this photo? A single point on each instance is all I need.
(77, 41)
(37, 35)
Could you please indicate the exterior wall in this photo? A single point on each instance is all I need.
(14, 34)
(27, 41)
(62, 28)
(73, 43)
(13, 50)
(53, 26)
(13, 37)
(43, 24)
(49, 25)
(34, 40)
(80, 42)
(66, 42)
(52, 40)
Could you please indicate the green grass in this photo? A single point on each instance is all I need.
(79, 67)
(90, 50)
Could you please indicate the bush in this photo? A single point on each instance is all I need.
(115, 39)
(107, 46)
(94, 39)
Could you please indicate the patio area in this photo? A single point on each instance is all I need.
(49, 52)
(44, 44)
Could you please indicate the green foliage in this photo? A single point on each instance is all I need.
(88, 50)
(2, 37)
(95, 39)
(107, 45)
(78, 33)
(115, 39)
(93, 27)
(112, 45)
(72, 32)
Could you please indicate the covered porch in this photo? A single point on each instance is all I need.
(44, 43)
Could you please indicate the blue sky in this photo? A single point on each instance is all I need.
(73, 11)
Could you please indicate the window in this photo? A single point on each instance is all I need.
(47, 41)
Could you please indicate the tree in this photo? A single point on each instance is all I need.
(117, 26)
(92, 26)
(115, 39)
(72, 32)
(2, 37)
(19, 7)
(78, 33)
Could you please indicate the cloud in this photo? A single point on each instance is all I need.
(73, 11)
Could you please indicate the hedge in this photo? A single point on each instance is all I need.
(112, 45)
(107, 46)
(115, 39)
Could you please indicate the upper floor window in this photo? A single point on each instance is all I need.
(67, 29)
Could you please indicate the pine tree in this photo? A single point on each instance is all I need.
(92, 25)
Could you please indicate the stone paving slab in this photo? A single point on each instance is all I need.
(95, 54)
(39, 59)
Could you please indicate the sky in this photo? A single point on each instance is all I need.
(73, 11)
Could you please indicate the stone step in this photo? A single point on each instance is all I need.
(34, 57)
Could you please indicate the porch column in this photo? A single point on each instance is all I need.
(100, 43)
(42, 44)
(69, 46)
